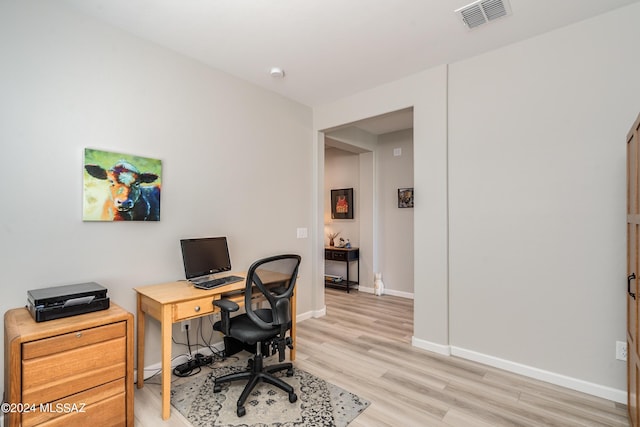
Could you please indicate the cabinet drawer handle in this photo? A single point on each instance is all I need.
(78, 334)
(196, 308)
(631, 277)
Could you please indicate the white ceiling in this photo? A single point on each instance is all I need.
(330, 49)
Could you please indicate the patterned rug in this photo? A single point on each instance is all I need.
(319, 403)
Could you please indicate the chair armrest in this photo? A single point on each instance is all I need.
(226, 305)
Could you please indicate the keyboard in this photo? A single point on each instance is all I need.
(214, 283)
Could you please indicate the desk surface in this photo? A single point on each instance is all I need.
(183, 290)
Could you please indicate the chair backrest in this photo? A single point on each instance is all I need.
(275, 278)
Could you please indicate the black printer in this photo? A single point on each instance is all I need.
(68, 300)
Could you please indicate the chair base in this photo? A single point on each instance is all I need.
(255, 374)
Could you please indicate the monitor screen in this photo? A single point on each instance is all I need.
(204, 256)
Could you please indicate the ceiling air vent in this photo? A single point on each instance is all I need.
(482, 11)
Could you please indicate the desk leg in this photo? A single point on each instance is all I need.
(140, 349)
(292, 352)
(166, 326)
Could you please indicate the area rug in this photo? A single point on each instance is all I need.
(319, 403)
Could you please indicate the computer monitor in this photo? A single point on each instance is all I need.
(204, 256)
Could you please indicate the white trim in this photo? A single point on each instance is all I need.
(311, 314)
(593, 389)
(400, 294)
(387, 291)
(599, 390)
(431, 346)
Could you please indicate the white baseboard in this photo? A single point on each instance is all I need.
(400, 294)
(445, 350)
(311, 314)
(593, 389)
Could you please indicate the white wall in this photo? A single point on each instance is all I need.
(530, 197)
(537, 198)
(357, 145)
(395, 245)
(342, 170)
(237, 159)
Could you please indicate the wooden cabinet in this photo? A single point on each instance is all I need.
(75, 371)
(633, 270)
(346, 255)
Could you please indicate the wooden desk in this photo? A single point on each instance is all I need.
(177, 301)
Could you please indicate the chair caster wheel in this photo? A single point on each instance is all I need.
(241, 412)
(217, 388)
(292, 397)
(290, 372)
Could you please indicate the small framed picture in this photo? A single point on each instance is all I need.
(405, 197)
(342, 203)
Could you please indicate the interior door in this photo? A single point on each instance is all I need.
(633, 270)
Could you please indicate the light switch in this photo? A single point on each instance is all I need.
(397, 152)
(302, 233)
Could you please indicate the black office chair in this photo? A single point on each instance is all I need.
(273, 279)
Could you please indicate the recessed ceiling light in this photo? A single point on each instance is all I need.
(277, 72)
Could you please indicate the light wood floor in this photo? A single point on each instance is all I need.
(363, 344)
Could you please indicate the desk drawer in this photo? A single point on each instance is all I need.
(188, 309)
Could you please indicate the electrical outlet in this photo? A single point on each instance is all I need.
(621, 350)
(184, 325)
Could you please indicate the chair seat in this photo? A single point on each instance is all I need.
(243, 328)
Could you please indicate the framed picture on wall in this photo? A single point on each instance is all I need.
(405, 197)
(342, 203)
(120, 187)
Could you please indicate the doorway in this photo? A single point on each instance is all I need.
(374, 157)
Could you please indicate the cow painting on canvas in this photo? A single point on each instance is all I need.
(121, 188)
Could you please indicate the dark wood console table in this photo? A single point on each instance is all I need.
(346, 255)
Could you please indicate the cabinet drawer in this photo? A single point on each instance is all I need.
(82, 401)
(73, 340)
(47, 378)
(188, 309)
(105, 413)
